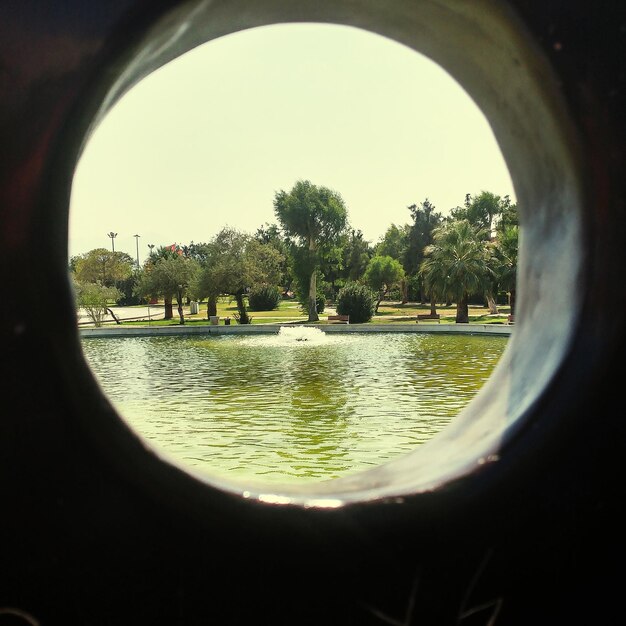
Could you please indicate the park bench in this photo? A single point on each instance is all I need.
(428, 316)
(339, 318)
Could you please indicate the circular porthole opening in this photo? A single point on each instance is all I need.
(479, 427)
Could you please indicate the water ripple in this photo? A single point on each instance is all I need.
(284, 409)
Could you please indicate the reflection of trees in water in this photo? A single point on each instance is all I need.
(317, 381)
(255, 407)
(287, 401)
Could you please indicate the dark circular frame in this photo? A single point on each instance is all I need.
(509, 78)
(514, 515)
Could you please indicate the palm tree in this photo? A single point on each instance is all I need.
(456, 264)
(505, 254)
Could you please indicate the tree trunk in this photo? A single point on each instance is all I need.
(405, 290)
(211, 306)
(181, 314)
(491, 303)
(169, 310)
(244, 318)
(422, 295)
(433, 306)
(117, 321)
(313, 316)
(381, 297)
(462, 311)
(512, 301)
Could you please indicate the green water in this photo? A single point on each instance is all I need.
(279, 409)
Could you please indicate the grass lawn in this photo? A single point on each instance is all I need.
(289, 311)
(390, 312)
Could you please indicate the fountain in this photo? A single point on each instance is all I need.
(291, 336)
(287, 334)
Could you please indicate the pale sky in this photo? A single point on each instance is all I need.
(206, 141)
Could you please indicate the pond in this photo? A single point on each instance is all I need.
(299, 405)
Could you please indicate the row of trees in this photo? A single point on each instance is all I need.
(313, 252)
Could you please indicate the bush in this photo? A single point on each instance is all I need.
(94, 299)
(128, 297)
(358, 301)
(264, 298)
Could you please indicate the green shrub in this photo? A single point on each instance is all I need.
(94, 299)
(264, 298)
(358, 301)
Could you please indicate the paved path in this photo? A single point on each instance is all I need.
(152, 312)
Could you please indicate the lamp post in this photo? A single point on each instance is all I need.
(137, 241)
(151, 246)
(112, 236)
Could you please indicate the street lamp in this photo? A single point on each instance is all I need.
(112, 236)
(137, 240)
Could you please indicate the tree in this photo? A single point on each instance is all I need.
(457, 264)
(196, 251)
(169, 277)
(505, 254)
(419, 236)
(94, 298)
(508, 214)
(102, 266)
(357, 253)
(270, 234)
(394, 242)
(314, 216)
(172, 251)
(487, 212)
(236, 262)
(302, 263)
(381, 274)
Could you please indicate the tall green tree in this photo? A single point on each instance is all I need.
(486, 211)
(357, 253)
(456, 264)
(382, 274)
(420, 235)
(394, 242)
(505, 254)
(314, 217)
(302, 263)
